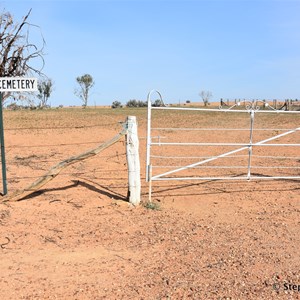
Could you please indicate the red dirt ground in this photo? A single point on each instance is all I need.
(78, 238)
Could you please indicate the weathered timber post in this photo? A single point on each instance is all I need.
(133, 161)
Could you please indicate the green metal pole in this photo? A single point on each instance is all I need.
(3, 162)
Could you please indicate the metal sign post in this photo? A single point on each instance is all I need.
(11, 84)
(3, 161)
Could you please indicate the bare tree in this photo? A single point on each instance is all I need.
(17, 53)
(86, 82)
(205, 95)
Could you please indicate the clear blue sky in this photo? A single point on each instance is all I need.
(233, 48)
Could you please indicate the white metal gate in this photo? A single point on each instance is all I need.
(252, 108)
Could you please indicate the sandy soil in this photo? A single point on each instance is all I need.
(78, 238)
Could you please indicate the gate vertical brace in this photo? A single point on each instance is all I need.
(148, 137)
(148, 167)
(252, 114)
(3, 161)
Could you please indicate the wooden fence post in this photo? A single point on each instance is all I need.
(133, 161)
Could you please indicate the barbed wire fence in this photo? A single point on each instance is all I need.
(110, 167)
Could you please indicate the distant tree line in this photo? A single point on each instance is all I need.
(136, 103)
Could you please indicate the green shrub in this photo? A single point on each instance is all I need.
(136, 103)
(116, 104)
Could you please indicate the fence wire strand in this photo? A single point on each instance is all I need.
(34, 159)
(54, 145)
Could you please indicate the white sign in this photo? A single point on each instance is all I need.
(18, 84)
